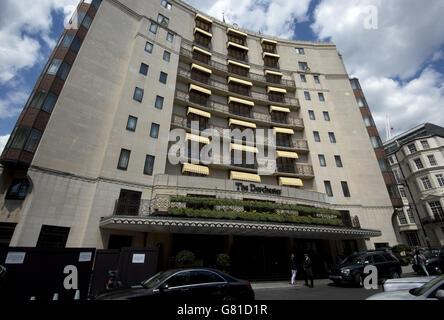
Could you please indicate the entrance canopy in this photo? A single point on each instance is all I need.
(228, 227)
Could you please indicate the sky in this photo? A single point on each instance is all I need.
(395, 48)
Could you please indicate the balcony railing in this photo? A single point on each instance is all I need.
(253, 76)
(132, 208)
(252, 94)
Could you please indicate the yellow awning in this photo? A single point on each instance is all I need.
(202, 51)
(198, 67)
(233, 99)
(283, 130)
(280, 90)
(290, 182)
(193, 168)
(247, 83)
(270, 55)
(230, 43)
(279, 109)
(196, 29)
(203, 18)
(196, 138)
(268, 41)
(236, 175)
(239, 33)
(275, 73)
(199, 112)
(200, 89)
(238, 64)
(242, 147)
(242, 123)
(286, 154)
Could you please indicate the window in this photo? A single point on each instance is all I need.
(332, 137)
(153, 27)
(138, 94)
(131, 124)
(418, 163)
(163, 77)
(166, 4)
(326, 116)
(20, 138)
(432, 160)
(49, 102)
(391, 160)
(328, 188)
(396, 174)
(37, 99)
(179, 280)
(163, 20)
(345, 189)
(76, 43)
(159, 102)
(170, 37)
(338, 161)
(303, 79)
(437, 210)
(376, 142)
(425, 144)
(361, 102)
(316, 79)
(321, 96)
(440, 179)
(203, 276)
(355, 84)
(322, 160)
(369, 122)
(411, 215)
(300, 51)
(54, 66)
(311, 114)
(316, 136)
(87, 22)
(383, 165)
(149, 165)
(402, 192)
(33, 140)
(426, 183)
(63, 71)
(149, 47)
(166, 56)
(18, 190)
(154, 131)
(144, 69)
(307, 95)
(67, 40)
(303, 66)
(53, 237)
(412, 148)
(124, 159)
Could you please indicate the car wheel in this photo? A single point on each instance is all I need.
(359, 280)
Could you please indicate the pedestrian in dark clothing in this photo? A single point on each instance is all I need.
(293, 269)
(308, 270)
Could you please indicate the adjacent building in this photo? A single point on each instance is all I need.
(88, 165)
(417, 160)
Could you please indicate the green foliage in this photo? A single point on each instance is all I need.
(223, 261)
(400, 248)
(185, 257)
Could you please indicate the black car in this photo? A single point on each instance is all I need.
(351, 269)
(434, 262)
(198, 284)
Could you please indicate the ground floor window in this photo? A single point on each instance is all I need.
(119, 242)
(53, 237)
(6, 233)
(412, 239)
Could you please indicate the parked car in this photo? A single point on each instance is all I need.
(434, 262)
(198, 284)
(351, 269)
(404, 283)
(432, 290)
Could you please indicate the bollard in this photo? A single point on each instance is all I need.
(56, 297)
(77, 296)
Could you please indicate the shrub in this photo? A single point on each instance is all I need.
(223, 261)
(185, 257)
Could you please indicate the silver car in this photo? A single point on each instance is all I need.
(432, 290)
(405, 283)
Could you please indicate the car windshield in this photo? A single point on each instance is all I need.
(426, 287)
(156, 279)
(353, 259)
(430, 254)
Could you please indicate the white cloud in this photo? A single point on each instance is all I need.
(272, 17)
(408, 38)
(12, 103)
(3, 141)
(22, 23)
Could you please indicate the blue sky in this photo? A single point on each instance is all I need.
(400, 63)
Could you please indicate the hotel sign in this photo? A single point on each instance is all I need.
(253, 188)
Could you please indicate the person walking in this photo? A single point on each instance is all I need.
(308, 270)
(293, 269)
(420, 261)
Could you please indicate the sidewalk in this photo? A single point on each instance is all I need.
(284, 284)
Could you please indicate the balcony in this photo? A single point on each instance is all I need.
(132, 208)
(302, 170)
(222, 86)
(188, 53)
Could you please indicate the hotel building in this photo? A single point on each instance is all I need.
(87, 163)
